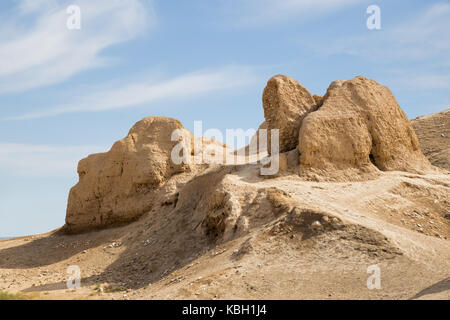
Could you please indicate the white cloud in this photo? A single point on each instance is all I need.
(263, 12)
(433, 81)
(138, 93)
(29, 6)
(42, 160)
(46, 52)
(427, 36)
(421, 41)
(423, 38)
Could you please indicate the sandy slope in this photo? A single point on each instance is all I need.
(433, 131)
(399, 221)
(276, 259)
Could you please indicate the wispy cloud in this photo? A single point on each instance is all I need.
(29, 6)
(138, 93)
(423, 38)
(46, 52)
(414, 53)
(250, 13)
(434, 81)
(42, 160)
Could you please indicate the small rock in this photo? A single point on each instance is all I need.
(113, 245)
(335, 220)
(316, 226)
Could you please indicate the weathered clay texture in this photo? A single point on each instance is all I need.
(286, 102)
(359, 128)
(114, 186)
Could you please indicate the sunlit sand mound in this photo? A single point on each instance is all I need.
(353, 191)
(433, 132)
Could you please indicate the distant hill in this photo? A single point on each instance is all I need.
(433, 132)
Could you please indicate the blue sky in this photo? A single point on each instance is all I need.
(67, 93)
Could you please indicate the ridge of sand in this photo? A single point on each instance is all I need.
(226, 232)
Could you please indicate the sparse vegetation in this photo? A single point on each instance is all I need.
(9, 296)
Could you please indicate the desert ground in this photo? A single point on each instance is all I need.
(226, 232)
